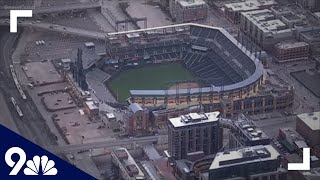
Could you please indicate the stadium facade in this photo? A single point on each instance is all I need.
(232, 74)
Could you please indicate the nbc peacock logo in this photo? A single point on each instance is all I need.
(40, 166)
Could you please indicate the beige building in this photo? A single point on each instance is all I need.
(308, 125)
(264, 28)
(233, 10)
(188, 10)
(249, 163)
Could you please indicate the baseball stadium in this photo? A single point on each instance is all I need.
(181, 65)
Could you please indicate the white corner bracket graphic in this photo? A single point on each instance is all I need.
(305, 165)
(14, 14)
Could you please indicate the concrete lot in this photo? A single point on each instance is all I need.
(77, 125)
(51, 88)
(42, 73)
(307, 78)
(57, 46)
(81, 20)
(58, 101)
(45, 3)
(271, 126)
(307, 101)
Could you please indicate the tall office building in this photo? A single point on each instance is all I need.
(194, 134)
(251, 163)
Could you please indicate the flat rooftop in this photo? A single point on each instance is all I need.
(249, 5)
(265, 20)
(292, 17)
(311, 119)
(127, 161)
(190, 3)
(245, 155)
(42, 73)
(291, 44)
(91, 105)
(312, 35)
(249, 129)
(110, 115)
(194, 118)
(158, 169)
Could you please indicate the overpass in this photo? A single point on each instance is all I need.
(105, 144)
(58, 8)
(58, 28)
(225, 123)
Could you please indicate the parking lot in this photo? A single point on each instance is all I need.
(58, 101)
(78, 19)
(79, 129)
(42, 73)
(307, 101)
(57, 46)
(51, 88)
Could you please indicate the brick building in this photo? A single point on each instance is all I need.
(308, 125)
(188, 10)
(138, 121)
(291, 51)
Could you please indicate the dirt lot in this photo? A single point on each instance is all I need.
(185, 86)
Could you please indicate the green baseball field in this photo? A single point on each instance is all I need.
(148, 77)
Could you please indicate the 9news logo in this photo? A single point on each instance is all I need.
(36, 166)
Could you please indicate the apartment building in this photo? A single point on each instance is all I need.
(233, 10)
(194, 134)
(188, 10)
(264, 28)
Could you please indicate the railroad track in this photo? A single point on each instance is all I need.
(31, 125)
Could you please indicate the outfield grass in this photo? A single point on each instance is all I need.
(148, 77)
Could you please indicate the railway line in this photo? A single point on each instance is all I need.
(14, 76)
(17, 107)
(31, 125)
